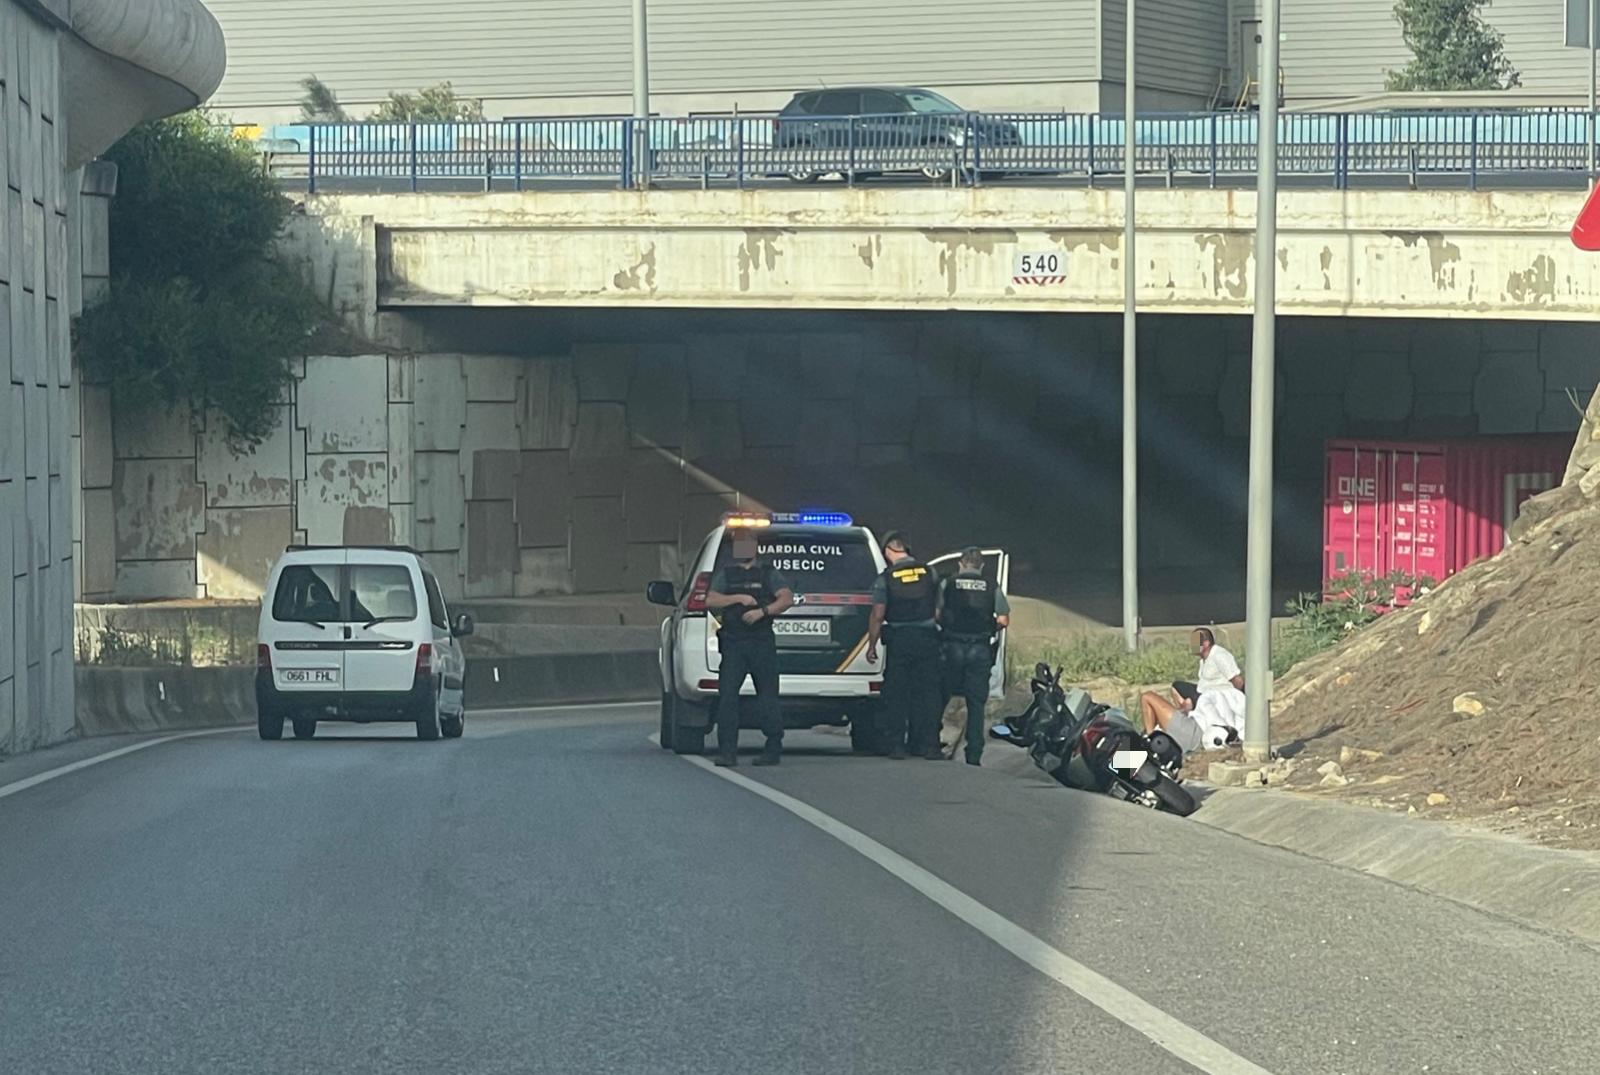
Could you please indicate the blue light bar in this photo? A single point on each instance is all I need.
(816, 518)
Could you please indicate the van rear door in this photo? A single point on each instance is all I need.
(307, 630)
(386, 625)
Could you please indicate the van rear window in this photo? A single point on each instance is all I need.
(311, 593)
(822, 560)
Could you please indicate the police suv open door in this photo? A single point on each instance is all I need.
(997, 569)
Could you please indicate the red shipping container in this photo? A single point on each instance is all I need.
(1429, 508)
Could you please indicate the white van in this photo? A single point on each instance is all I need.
(358, 633)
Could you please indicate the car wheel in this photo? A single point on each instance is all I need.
(688, 740)
(666, 721)
(269, 724)
(452, 727)
(305, 727)
(804, 177)
(428, 718)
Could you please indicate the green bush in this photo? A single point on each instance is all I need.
(1320, 621)
(1100, 657)
(200, 309)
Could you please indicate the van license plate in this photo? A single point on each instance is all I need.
(813, 628)
(311, 677)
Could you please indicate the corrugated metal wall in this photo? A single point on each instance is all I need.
(1346, 48)
(575, 48)
(1183, 44)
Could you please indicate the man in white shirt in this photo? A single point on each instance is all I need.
(1218, 669)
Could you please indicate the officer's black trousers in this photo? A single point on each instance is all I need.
(913, 694)
(758, 659)
(966, 668)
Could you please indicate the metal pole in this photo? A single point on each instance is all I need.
(641, 96)
(1130, 351)
(1591, 123)
(1258, 590)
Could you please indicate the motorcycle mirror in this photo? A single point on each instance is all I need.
(1000, 731)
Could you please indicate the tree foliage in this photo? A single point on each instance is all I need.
(320, 104)
(200, 309)
(1452, 48)
(435, 104)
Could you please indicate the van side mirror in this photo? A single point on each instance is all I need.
(661, 593)
(464, 626)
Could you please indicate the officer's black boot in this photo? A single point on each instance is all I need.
(772, 754)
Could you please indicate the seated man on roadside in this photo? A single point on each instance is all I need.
(1218, 669)
(1211, 722)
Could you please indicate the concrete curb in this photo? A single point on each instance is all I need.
(116, 701)
(1541, 887)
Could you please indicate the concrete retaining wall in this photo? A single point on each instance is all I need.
(113, 701)
(596, 457)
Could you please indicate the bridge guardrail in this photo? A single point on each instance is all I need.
(963, 148)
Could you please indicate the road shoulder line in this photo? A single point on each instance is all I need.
(1166, 1031)
(36, 779)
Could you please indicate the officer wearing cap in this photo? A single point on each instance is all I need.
(749, 594)
(972, 612)
(905, 601)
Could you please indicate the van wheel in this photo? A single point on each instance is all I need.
(269, 724)
(428, 719)
(666, 721)
(304, 728)
(452, 727)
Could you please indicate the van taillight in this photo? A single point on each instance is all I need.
(425, 660)
(697, 593)
(264, 657)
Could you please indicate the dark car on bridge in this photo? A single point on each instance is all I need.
(870, 130)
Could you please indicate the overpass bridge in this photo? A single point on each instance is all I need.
(1444, 254)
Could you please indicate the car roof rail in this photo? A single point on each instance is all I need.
(364, 548)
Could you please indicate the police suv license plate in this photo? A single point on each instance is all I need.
(311, 677)
(814, 630)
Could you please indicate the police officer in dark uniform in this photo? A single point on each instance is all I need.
(972, 612)
(749, 595)
(905, 602)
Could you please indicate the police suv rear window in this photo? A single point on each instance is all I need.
(821, 560)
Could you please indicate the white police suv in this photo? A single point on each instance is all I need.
(822, 641)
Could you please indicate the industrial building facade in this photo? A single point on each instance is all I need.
(524, 57)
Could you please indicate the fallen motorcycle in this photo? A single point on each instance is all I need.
(1093, 747)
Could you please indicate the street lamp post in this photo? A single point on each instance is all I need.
(1130, 351)
(641, 97)
(1258, 590)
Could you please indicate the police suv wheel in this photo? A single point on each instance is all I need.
(666, 721)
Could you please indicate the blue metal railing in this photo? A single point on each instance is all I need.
(1213, 148)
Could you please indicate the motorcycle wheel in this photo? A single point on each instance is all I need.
(1174, 799)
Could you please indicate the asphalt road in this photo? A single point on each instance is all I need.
(552, 893)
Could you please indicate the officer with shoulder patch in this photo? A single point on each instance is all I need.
(749, 594)
(905, 602)
(972, 612)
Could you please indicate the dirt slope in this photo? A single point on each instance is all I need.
(1486, 692)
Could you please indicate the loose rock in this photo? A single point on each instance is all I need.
(1330, 768)
(1438, 798)
(1334, 780)
(1255, 780)
(1468, 705)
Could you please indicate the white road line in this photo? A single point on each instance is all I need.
(510, 711)
(1171, 1034)
(50, 774)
